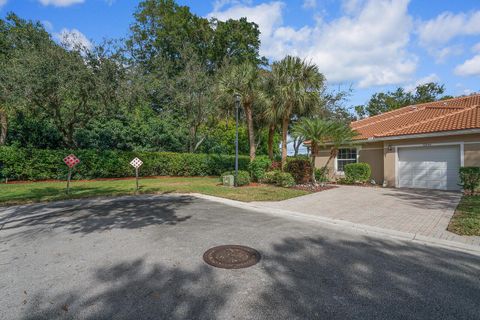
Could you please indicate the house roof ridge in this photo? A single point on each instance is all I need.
(413, 109)
(415, 106)
(427, 120)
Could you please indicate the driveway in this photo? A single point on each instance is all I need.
(422, 212)
(141, 258)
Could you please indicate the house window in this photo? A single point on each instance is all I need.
(346, 156)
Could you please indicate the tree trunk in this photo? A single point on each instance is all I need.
(314, 154)
(271, 134)
(192, 139)
(296, 146)
(333, 154)
(3, 127)
(251, 132)
(284, 140)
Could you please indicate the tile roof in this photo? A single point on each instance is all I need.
(445, 115)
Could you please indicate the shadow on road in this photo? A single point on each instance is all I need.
(298, 278)
(96, 215)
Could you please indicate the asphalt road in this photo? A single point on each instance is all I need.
(141, 258)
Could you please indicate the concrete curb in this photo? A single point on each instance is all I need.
(342, 224)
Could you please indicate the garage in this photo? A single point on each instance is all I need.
(431, 167)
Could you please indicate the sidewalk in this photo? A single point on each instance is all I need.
(343, 225)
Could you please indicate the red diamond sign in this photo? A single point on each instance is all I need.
(136, 163)
(71, 161)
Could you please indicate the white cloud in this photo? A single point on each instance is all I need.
(73, 39)
(220, 4)
(447, 26)
(2, 3)
(476, 48)
(368, 47)
(435, 34)
(309, 4)
(430, 78)
(60, 3)
(470, 67)
(48, 25)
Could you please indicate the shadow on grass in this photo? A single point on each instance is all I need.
(85, 216)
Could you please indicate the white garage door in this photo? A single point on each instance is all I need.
(429, 167)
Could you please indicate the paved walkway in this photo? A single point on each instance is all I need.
(420, 212)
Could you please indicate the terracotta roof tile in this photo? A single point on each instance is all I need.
(445, 115)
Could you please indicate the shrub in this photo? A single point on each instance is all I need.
(279, 178)
(470, 178)
(242, 179)
(39, 164)
(321, 175)
(357, 172)
(258, 167)
(284, 179)
(269, 177)
(300, 169)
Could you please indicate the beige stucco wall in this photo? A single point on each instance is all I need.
(472, 155)
(370, 153)
(381, 155)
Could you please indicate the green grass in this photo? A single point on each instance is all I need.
(466, 220)
(50, 191)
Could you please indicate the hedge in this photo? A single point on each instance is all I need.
(39, 164)
(470, 178)
(357, 172)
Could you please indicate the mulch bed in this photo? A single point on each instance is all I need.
(313, 188)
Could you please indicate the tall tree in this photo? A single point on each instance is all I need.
(70, 87)
(235, 42)
(161, 30)
(192, 96)
(391, 100)
(242, 80)
(298, 86)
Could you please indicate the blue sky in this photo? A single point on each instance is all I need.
(371, 45)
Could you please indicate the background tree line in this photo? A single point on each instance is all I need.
(168, 86)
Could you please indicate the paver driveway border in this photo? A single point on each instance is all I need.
(342, 224)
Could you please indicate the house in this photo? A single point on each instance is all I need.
(418, 146)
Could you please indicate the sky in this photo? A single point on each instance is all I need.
(367, 45)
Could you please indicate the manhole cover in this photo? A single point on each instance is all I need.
(231, 257)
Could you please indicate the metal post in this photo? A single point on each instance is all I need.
(237, 106)
(68, 179)
(136, 176)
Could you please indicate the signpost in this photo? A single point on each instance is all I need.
(136, 163)
(71, 161)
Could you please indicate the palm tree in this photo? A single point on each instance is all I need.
(242, 80)
(271, 108)
(317, 131)
(340, 134)
(298, 85)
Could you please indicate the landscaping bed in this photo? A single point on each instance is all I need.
(313, 188)
(466, 220)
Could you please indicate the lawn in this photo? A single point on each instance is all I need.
(50, 191)
(466, 220)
